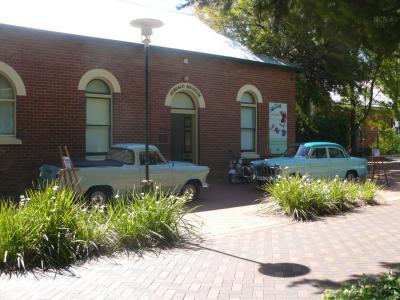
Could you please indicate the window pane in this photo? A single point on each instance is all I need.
(247, 139)
(97, 111)
(122, 155)
(247, 98)
(97, 139)
(182, 101)
(335, 153)
(318, 153)
(97, 87)
(7, 117)
(247, 117)
(6, 90)
(154, 158)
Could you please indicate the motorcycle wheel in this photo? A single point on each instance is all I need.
(231, 178)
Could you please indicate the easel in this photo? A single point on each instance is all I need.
(377, 166)
(68, 171)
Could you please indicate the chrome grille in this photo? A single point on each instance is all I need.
(266, 172)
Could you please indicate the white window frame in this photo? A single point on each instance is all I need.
(101, 96)
(256, 94)
(18, 86)
(254, 106)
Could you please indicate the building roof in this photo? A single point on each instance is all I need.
(109, 19)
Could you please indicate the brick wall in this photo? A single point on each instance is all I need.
(53, 112)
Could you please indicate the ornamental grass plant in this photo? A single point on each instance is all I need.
(303, 198)
(53, 228)
(152, 220)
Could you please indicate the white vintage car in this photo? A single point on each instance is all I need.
(124, 169)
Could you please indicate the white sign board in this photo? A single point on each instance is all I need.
(277, 127)
(67, 162)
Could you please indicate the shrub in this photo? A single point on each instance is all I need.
(303, 198)
(385, 287)
(53, 229)
(389, 142)
(153, 219)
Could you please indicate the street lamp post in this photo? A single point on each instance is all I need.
(146, 26)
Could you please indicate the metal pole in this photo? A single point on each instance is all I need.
(146, 107)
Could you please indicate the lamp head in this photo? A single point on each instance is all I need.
(146, 25)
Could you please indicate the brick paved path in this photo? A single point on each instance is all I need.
(273, 261)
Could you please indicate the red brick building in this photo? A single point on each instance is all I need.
(59, 88)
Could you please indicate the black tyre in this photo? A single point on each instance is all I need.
(99, 195)
(351, 175)
(191, 188)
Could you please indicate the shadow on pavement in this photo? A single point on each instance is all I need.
(283, 270)
(322, 284)
(220, 195)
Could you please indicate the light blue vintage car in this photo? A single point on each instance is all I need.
(316, 159)
(124, 169)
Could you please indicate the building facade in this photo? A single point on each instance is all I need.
(88, 93)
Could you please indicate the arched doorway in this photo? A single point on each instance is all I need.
(183, 128)
(185, 100)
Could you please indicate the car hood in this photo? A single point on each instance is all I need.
(183, 164)
(286, 161)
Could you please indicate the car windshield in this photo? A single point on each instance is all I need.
(121, 155)
(302, 151)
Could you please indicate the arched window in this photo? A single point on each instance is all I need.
(98, 118)
(7, 108)
(248, 121)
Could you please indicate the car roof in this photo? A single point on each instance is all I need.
(322, 144)
(134, 146)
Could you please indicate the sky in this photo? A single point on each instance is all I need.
(164, 4)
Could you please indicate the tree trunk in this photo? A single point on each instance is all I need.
(353, 130)
(353, 125)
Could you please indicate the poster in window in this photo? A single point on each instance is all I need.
(277, 127)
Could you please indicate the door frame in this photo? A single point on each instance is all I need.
(194, 113)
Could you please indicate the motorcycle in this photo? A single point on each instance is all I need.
(240, 170)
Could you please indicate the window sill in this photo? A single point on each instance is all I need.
(10, 140)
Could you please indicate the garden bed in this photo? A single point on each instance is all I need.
(53, 229)
(303, 198)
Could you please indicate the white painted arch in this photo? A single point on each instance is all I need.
(99, 74)
(249, 89)
(185, 87)
(14, 78)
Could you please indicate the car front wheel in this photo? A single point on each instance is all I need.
(191, 189)
(97, 195)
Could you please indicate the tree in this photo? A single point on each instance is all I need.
(389, 80)
(340, 44)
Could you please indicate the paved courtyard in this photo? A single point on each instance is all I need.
(243, 256)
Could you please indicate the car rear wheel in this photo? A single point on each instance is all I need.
(192, 189)
(351, 175)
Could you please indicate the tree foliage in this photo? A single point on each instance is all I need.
(341, 45)
(389, 80)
